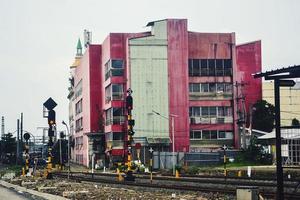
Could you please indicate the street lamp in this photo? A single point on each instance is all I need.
(173, 133)
(64, 123)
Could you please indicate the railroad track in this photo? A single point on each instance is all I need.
(197, 184)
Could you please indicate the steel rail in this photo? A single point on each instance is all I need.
(89, 177)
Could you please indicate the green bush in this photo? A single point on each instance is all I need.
(254, 154)
(192, 170)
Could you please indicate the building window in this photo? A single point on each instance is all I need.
(213, 88)
(210, 115)
(114, 68)
(204, 87)
(227, 67)
(210, 67)
(78, 89)
(114, 116)
(117, 92)
(211, 135)
(78, 142)
(78, 107)
(78, 125)
(114, 92)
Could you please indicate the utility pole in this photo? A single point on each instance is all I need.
(241, 112)
(18, 143)
(2, 127)
(21, 129)
(279, 169)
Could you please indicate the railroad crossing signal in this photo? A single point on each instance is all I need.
(26, 136)
(50, 104)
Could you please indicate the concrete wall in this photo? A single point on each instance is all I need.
(82, 73)
(289, 101)
(213, 46)
(88, 72)
(149, 82)
(178, 81)
(249, 62)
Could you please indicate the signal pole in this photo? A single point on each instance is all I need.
(130, 133)
(50, 104)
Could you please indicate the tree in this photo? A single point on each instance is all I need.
(263, 116)
(295, 122)
(8, 147)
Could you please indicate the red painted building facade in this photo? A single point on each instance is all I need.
(197, 77)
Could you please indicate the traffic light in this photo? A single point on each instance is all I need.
(130, 132)
(50, 132)
(129, 102)
(51, 117)
(131, 122)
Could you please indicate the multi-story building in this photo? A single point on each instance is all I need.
(196, 79)
(86, 105)
(289, 101)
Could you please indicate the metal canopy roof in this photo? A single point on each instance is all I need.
(285, 72)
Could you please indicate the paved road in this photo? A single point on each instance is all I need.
(7, 194)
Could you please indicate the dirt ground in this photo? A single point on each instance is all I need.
(91, 191)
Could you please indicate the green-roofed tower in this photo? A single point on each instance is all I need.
(79, 48)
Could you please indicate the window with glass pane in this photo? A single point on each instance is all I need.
(213, 111)
(108, 116)
(191, 134)
(220, 87)
(117, 68)
(197, 134)
(227, 67)
(219, 67)
(118, 117)
(212, 87)
(211, 67)
(196, 67)
(229, 135)
(221, 111)
(108, 94)
(196, 111)
(228, 111)
(196, 87)
(191, 87)
(205, 135)
(222, 135)
(117, 63)
(213, 134)
(228, 87)
(204, 111)
(204, 67)
(117, 91)
(107, 70)
(204, 87)
(118, 136)
(190, 67)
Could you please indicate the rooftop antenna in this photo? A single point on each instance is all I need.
(2, 126)
(87, 35)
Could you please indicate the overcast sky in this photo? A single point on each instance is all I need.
(38, 40)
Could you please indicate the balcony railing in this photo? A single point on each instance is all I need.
(211, 120)
(210, 95)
